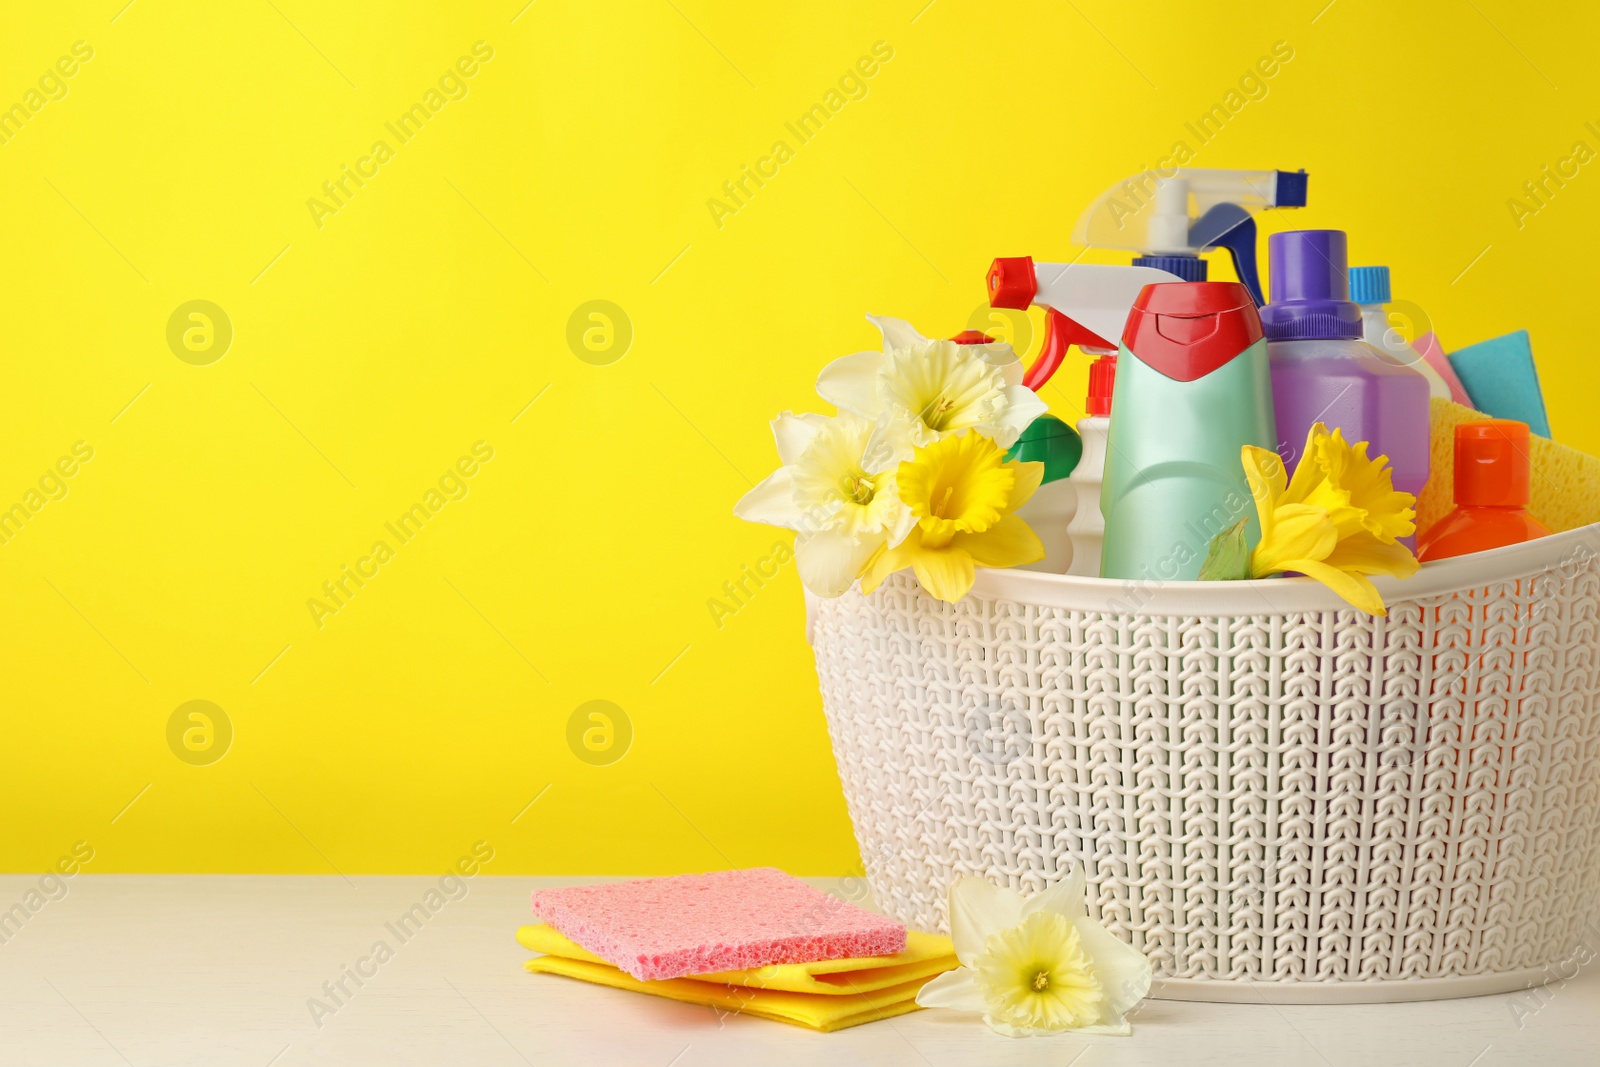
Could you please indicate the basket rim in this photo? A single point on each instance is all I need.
(1561, 554)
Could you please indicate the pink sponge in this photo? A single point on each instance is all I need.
(726, 921)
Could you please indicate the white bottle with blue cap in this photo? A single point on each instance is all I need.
(1369, 287)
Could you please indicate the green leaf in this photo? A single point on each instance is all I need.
(1229, 558)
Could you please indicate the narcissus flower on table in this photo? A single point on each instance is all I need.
(1037, 965)
(1338, 520)
(963, 495)
(834, 492)
(919, 390)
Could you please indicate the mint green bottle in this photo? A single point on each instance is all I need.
(1193, 388)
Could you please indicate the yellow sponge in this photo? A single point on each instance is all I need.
(1564, 484)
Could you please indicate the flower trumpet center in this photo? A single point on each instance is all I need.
(958, 484)
(858, 488)
(938, 412)
(834, 491)
(1037, 975)
(944, 386)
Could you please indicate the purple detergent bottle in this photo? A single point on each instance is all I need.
(1322, 371)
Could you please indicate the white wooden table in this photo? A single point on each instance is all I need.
(178, 970)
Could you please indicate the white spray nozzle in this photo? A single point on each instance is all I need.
(1130, 213)
(1168, 231)
(1181, 212)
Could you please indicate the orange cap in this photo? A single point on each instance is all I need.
(1492, 463)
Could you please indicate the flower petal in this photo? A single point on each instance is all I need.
(1355, 588)
(978, 911)
(1065, 898)
(1112, 1029)
(897, 333)
(1264, 471)
(793, 432)
(1007, 543)
(1294, 531)
(829, 561)
(957, 989)
(1022, 407)
(850, 383)
(883, 562)
(891, 443)
(1005, 1029)
(1386, 512)
(1123, 971)
(1030, 476)
(905, 521)
(1309, 470)
(1001, 354)
(1367, 553)
(947, 573)
(771, 502)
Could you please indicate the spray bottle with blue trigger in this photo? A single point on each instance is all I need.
(1170, 216)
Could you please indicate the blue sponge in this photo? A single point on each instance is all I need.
(1500, 377)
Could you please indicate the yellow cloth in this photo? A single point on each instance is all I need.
(925, 956)
(1564, 484)
(817, 1011)
(826, 995)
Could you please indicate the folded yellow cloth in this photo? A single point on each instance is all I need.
(925, 956)
(826, 995)
(825, 1013)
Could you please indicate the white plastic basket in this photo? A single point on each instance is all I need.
(1275, 796)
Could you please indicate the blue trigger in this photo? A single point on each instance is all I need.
(1230, 226)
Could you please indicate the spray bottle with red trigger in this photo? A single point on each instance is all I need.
(1086, 306)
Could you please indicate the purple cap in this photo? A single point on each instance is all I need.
(1310, 288)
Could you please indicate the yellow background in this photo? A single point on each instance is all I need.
(429, 311)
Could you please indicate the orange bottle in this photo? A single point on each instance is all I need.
(1491, 493)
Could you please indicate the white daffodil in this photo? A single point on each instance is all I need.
(836, 492)
(1037, 965)
(919, 390)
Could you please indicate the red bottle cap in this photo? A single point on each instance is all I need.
(1102, 380)
(1012, 283)
(1186, 330)
(972, 337)
(1492, 463)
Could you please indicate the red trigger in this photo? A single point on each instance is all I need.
(1060, 334)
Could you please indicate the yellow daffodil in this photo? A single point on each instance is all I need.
(1037, 965)
(962, 494)
(1338, 520)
